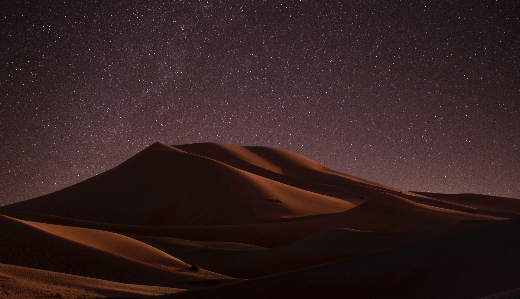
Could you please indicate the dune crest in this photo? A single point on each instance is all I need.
(113, 243)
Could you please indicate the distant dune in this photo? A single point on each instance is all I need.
(293, 227)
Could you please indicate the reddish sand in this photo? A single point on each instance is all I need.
(295, 228)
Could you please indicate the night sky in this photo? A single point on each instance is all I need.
(422, 96)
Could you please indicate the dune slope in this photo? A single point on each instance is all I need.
(280, 161)
(163, 185)
(158, 186)
(93, 253)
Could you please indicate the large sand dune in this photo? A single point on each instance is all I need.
(293, 227)
(166, 186)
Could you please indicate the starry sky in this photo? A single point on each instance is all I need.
(421, 96)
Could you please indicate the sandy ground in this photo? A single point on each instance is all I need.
(23, 282)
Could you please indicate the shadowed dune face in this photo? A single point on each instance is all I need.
(159, 186)
(256, 213)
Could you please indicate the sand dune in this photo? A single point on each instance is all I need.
(255, 261)
(166, 186)
(275, 160)
(386, 213)
(113, 243)
(271, 200)
(22, 282)
(292, 226)
(393, 213)
(479, 201)
(291, 169)
(92, 253)
(469, 264)
(158, 186)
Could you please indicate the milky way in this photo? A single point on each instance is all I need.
(422, 96)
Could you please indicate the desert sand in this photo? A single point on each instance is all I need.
(260, 223)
